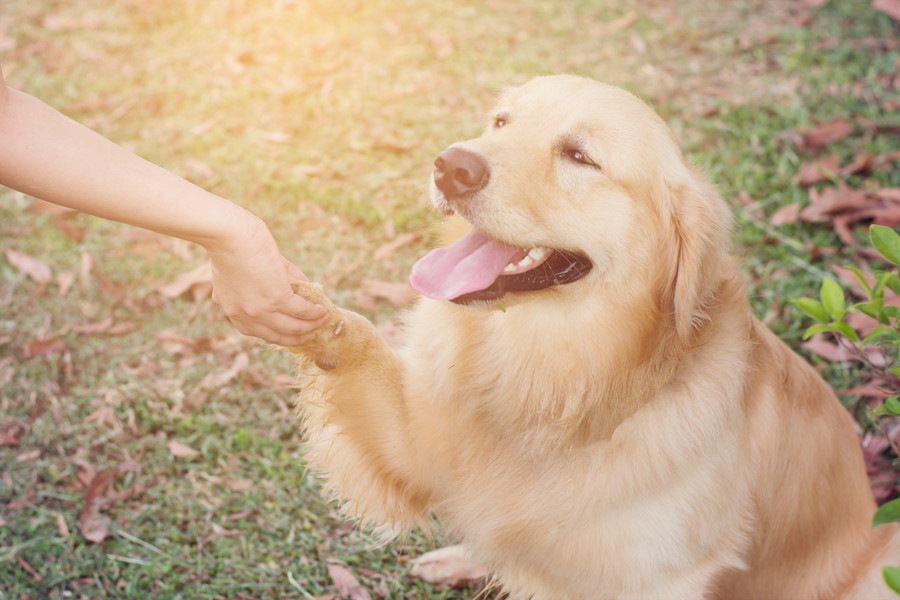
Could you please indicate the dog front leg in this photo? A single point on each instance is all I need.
(355, 420)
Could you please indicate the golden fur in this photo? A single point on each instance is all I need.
(636, 434)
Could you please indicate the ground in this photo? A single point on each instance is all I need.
(146, 448)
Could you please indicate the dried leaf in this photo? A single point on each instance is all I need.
(64, 281)
(94, 526)
(387, 250)
(817, 171)
(221, 378)
(43, 347)
(786, 215)
(861, 164)
(61, 526)
(201, 277)
(31, 570)
(831, 352)
(889, 7)
(239, 485)
(820, 136)
(179, 450)
(345, 582)
(10, 434)
(37, 270)
(831, 201)
(400, 295)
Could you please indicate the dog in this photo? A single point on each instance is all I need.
(585, 400)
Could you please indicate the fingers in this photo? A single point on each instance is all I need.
(293, 270)
(281, 329)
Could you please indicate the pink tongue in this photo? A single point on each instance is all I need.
(469, 265)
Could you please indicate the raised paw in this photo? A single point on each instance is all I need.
(321, 345)
(449, 566)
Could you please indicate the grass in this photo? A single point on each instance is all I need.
(323, 117)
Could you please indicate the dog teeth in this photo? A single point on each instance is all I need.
(534, 255)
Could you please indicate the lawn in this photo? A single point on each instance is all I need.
(148, 450)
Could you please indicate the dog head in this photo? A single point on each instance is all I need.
(575, 183)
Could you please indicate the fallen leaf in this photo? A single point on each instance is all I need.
(36, 269)
(199, 278)
(861, 164)
(94, 526)
(620, 24)
(64, 281)
(239, 485)
(400, 241)
(179, 450)
(785, 215)
(27, 567)
(345, 582)
(43, 347)
(221, 378)
(10, 433)
(398, 294)
(832, 200)
(61, 526)
(71, 230)
(818, 137)
(817, 171)
(889, 7)
(831, 352)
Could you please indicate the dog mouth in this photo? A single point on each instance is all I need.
(477, 269)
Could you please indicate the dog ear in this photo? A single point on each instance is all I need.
(701, 227)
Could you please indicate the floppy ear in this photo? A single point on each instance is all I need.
(701, 227)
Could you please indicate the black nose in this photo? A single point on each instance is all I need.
(459, 173)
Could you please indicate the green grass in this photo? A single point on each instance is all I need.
(323, 118)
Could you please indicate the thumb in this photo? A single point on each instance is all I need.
(293, 270)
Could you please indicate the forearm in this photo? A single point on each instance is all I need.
(49, 156)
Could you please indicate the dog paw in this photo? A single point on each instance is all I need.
(322, 346)
(450, 566)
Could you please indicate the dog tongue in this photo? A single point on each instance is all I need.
(469, 265)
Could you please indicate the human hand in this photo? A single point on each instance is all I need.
(251, 282)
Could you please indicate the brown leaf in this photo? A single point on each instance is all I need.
(817, 171)
(61, 526)
(199, 278)
(831, 352)
(37, 270)
(221, 378)
(27, 567)
(64, 281)
(861, 164)
(43, 347)
(71, 230)
(399, 294)
(889, 7)
(387, 250)
(345, 582)
(179, 450)
(10, 433)
(830, 201)
(94, 526)
(820, 136)
(785, 215)
(239, 485)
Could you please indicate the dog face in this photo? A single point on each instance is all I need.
(572, 181)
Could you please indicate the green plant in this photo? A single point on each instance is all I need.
(830, 312)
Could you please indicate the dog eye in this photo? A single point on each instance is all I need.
(578, 155)
(500, 121)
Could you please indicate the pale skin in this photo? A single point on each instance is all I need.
(47, 155)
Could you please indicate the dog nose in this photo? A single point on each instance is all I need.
(459, 173)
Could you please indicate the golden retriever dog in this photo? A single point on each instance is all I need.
(585, 400)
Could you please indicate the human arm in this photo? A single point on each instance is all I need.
(51, 157)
